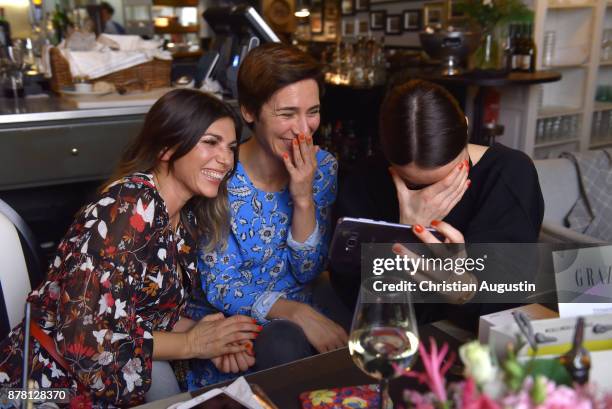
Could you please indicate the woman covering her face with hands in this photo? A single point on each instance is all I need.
(434, 177)
(113, 296)
(280, 199)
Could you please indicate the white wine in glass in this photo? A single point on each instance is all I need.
(384, 338)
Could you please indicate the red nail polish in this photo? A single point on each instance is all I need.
(418, 228)
(469, 182)
(435, 223)
(301, 136)
(461, 166)
(295, 141)
(259, 328)
(286, 157)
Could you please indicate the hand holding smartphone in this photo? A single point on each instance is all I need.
(351, 233)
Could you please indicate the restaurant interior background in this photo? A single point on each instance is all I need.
(559, 100)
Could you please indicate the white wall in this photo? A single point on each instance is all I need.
(17, 13)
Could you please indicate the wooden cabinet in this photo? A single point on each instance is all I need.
(57, 153)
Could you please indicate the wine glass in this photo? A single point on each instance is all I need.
(384, 338)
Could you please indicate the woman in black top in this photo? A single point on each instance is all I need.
(469, 193)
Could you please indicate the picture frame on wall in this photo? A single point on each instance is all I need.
(347, 7)
(362, 26)
(331, 10)
(453, 12)
(348, 27)
(413, 20)
(393, 24)
(433, 14)
(377, 20)
(362, 5)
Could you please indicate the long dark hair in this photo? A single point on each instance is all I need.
(178, 120)
(421, 122)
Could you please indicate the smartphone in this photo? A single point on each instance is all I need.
(351, 233)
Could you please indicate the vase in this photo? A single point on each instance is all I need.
(488, 56)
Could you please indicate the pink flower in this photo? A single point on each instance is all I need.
(435, 370)
(563, 397)
(473, 400)
(557, 397)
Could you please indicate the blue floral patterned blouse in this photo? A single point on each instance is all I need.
(262, 262)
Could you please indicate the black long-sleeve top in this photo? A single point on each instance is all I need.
(503, 204)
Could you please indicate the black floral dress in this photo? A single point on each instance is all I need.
(112, 283)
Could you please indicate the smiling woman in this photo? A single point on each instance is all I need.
(280, 199)
(109, 312)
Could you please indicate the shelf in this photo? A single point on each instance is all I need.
(187, 54)
(566, 66)
(176, 3)
(552, 111)
(605, 64)
(602, 106)
(556, 143)
(175, 29)
(573, 5)
(599, 144)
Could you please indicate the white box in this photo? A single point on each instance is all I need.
(501, 318)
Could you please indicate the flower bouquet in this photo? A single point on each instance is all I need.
(535, 384)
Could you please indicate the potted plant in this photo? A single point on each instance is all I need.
(489, 17)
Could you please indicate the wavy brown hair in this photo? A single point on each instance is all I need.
(177, 121)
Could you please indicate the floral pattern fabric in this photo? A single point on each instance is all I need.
(112, 283)
(350, 397)
(259, 261)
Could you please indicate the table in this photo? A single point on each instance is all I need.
(482, 82)
(283, 384)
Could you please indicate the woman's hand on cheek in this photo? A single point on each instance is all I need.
(301, 169)
(433, 202)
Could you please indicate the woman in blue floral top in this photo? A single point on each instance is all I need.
(280, 197)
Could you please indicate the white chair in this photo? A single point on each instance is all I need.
(20, 267)
(561, 189)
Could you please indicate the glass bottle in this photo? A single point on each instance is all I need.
(577, 360)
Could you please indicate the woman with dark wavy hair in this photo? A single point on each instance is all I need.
(112, 300)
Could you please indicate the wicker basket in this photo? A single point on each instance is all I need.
(155, 73)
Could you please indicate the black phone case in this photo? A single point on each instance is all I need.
(350, 234)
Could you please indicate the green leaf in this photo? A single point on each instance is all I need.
(552, 369)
